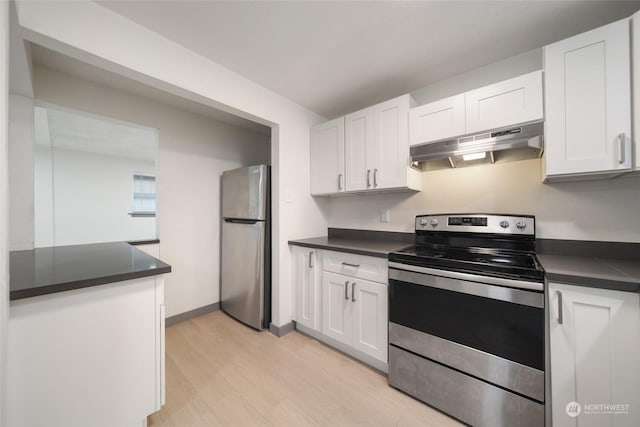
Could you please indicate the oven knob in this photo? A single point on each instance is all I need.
(521, 225)
(434, 222)
(504, 223)
(423, 222)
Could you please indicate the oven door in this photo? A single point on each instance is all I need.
(459, 321)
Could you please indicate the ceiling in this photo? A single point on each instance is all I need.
(336, 57)
(70, 130)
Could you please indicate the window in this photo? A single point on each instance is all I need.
(144, 195)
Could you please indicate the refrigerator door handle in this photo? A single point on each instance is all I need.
(241, 221)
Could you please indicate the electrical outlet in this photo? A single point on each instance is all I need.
(384, 215)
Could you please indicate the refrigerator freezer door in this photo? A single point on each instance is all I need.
(244, 193)
(242, 281)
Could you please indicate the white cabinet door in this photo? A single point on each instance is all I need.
(337, 309)
(307, 287)
(437, 120)
(595, 348)
(635, 55)
(509, 102)
(370, 318)
(327, 157)
(388, 155)
(588, 102)
(358, 135)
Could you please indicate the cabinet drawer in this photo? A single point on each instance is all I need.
(361, 266)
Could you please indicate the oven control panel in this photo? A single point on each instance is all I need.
(477, 223)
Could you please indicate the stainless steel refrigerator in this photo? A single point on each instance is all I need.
(245, 283)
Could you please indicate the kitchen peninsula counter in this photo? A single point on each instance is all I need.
(43, 271)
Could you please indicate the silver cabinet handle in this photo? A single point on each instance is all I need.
(621, 153)
(353, 292)
(348, 264)
(310, 255)
(368, 180)
(559, 294)
(339, 181)
(375, 179)
(346, 290)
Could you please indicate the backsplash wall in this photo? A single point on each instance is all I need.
(590, 210)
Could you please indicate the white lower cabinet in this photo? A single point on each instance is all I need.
(307, 275)
(355, 313)
(338, 301)
(595, 348)
(337, 309)
(370, 323)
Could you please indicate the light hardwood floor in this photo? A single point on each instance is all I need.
(222, 373)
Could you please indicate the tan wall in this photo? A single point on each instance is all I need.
(589, 210)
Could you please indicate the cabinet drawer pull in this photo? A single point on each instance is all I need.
(346, 290)
(621, 152)
(375, 179)
(339, 181)
(310, 256)
(368, 178)
(348, 264)
(353, 292)
(559, 294)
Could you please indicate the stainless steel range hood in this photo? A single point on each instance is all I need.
(496, 146)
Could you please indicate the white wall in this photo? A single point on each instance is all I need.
(93, 198)
(21, 232)
(194, 151)
(138, 53)
(517, 65)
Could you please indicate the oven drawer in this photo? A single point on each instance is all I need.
(502, 372)
(505, 322)
(470, 400)
(360, 266)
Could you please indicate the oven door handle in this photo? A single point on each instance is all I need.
(455, 284)
(512, 283)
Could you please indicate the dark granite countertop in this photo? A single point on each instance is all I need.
(362, 247)
(606, 265)
(605, 273)
(596, 264)
(43, 271)
(362, 242)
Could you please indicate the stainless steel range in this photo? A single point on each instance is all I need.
(466, 319)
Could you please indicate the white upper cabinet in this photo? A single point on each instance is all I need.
(437, 120)
(636, 85)
(374, 155)
(588, 104)
(358, 141)
(388, 156)
(509, 102)
(327, 157)
(506, 103)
